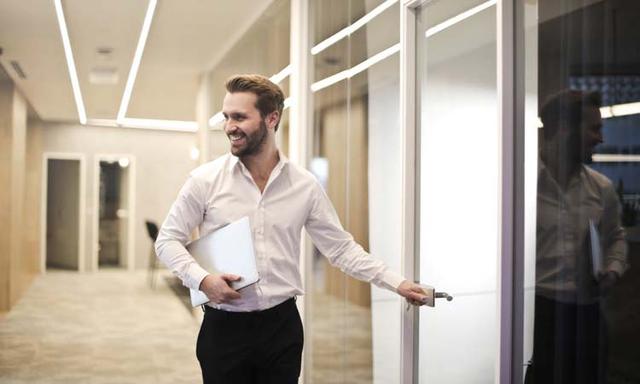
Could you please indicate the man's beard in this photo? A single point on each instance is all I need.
(254, 142)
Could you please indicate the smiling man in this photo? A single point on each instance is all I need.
(256, 335)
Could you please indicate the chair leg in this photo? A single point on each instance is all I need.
(152, 268)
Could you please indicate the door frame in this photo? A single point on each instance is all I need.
(130, 257)
(82, 205)
(510, 70)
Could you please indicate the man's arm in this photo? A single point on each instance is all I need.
(614, 242)
(186, 213)
(343, 252)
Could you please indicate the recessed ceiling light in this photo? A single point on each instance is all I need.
(137, 57)
(73, 75)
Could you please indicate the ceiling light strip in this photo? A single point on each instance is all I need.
(164, 125)
(73, 74)
(326, 43)
(458, 18)
(615, 158)
(144, 33)
(349, 73)
(280, 76)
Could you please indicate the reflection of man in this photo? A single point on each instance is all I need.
(256, 335)
(569, 330)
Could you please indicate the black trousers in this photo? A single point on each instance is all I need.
(569, 344)
(251, 347)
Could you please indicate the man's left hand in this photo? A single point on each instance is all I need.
(412, 292)
(606, 281)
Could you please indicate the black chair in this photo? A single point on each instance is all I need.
(152, 230)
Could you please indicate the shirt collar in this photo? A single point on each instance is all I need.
(234, 161)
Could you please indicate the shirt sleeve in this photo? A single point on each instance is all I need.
(615, 245)
(186, 213)
(341, 249)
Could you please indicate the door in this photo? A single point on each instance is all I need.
(458, 182)
(63, 214)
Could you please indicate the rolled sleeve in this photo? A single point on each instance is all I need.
(186, 213)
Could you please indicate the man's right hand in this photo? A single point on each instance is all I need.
(217, 288)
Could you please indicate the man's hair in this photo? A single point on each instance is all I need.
(269, 95)
(566, 109)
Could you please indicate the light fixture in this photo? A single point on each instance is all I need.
(137, 57)
(615, 158)
(73, 74)
(163, 125)
(625, 109)
(123, 162)
(194, 153)
(326, 43)
(348, 73)
(280, 76)
(458, 18)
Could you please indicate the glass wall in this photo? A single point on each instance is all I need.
(354, 327)
(582, 195)
(459, 179)
(262, 49)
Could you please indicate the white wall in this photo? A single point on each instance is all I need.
(162, 165)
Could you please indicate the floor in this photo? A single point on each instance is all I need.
(106, 327)
(111, 327)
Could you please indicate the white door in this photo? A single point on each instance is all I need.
(458, 189)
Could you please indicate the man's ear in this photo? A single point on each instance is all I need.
(272, 119)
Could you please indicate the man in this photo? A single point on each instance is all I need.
(256, 335)
(569, 329)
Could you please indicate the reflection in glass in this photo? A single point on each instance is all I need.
(581, 323)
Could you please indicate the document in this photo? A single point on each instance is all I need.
(596, 249)
(227, 250)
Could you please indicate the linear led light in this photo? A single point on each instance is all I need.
(135, 65)
(458, 18)
(326, 43)
(73, 74)
(348, 73)
(620, 110)
(617, 110)
(280, 76)
(615, 158)
(277, 78)
(164, 125)
(216, 119)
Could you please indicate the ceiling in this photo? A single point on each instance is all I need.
(187, 37)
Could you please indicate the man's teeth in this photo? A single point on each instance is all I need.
(235, 137)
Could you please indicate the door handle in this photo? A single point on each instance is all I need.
(432, 295)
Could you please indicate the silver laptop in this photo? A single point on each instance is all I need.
(227, 250)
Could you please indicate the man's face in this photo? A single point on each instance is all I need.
(244, 126)
(591, 132)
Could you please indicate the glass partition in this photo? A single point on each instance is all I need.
(582, 149)
(356, 154)
(459, 180)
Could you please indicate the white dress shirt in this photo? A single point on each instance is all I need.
(563, 256)
(222, 191)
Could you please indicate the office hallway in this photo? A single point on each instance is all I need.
(105, 327)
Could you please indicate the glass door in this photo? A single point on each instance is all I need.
(458, 149)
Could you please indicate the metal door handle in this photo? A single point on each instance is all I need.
(432, 295)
